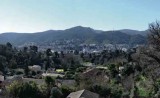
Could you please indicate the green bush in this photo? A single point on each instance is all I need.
(56, 93)
(24, 90)
(19, 73)
(49, 80)
(104, 91)
(66, 91)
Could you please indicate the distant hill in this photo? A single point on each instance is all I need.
(134, 32)
(85, 34)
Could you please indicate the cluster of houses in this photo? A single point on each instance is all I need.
(70, 45)
(79, 94)
(7, 80)
(98, 73)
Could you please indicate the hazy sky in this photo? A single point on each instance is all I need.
(41, 15)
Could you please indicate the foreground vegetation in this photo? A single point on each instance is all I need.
(130, 74)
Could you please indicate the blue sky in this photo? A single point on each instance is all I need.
(40, 15)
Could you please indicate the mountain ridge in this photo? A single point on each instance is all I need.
(85, 34)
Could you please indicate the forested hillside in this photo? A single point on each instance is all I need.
(84, 34)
